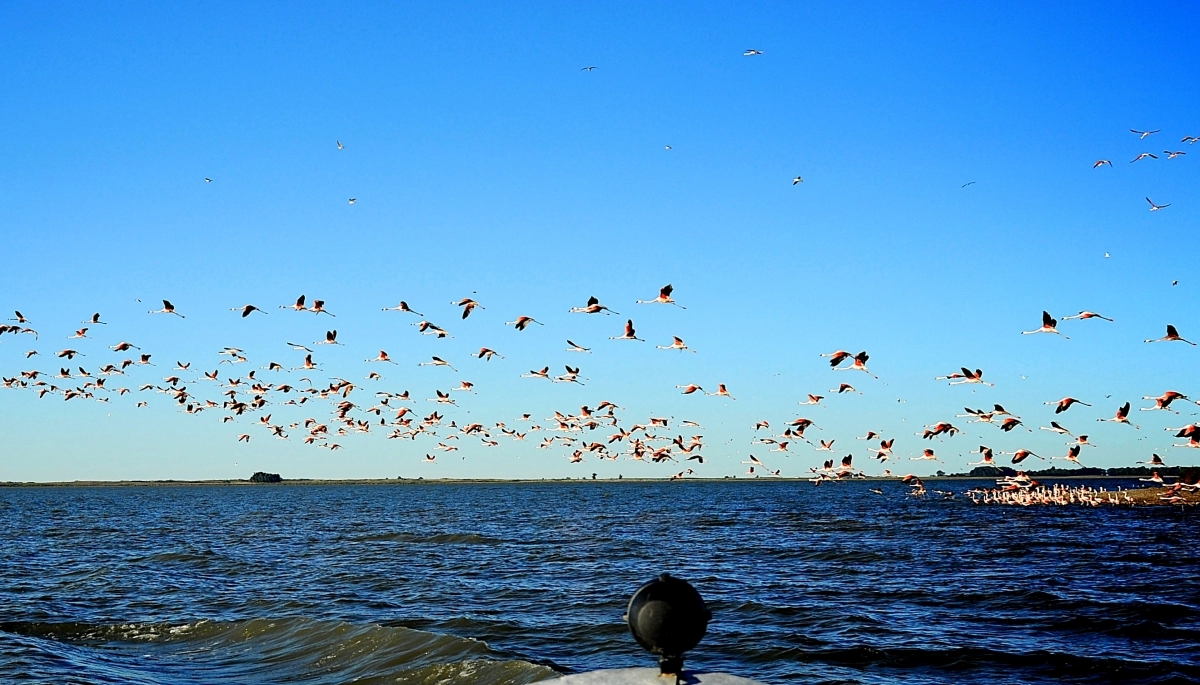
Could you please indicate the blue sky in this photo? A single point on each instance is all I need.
(485, 163)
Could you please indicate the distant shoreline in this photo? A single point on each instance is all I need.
(236, 482)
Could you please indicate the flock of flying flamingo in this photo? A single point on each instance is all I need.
(325, 414)
(332, 411)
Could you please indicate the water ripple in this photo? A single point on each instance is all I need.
(511, 583)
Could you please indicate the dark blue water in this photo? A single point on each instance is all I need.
(511, 583)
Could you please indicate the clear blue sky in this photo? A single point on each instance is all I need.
(485, 163)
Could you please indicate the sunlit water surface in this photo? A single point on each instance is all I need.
(512, 583)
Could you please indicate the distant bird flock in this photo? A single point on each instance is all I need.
(1142, 135)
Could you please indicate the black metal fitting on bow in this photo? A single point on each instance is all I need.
(667, 617)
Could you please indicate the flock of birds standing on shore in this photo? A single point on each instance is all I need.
(1023, 491)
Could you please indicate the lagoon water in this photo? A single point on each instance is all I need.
(517, 582)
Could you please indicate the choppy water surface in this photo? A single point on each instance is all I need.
(511, 583)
